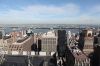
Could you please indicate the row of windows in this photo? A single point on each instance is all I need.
(85, 62)
(88, 46)
(49, 39)
(15, 47)
(49, 42)
(82, 64)
(49, 47)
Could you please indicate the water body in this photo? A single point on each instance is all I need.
(8, 30)
(46, 30)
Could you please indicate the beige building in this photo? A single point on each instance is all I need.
(49, 42)
(4, 43)
(18, 42)
(88, 41)
(21, 45)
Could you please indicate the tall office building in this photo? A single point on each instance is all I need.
(48, 42)
(68, 37)
(39, 45)
(96, 54)
(81, 41)
(2, 33)
(88, 41)
(61, 47)
(98, 38)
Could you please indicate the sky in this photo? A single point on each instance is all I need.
(49, 11)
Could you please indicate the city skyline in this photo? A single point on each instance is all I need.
(49, 11)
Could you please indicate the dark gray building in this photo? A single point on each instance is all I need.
(20, 60)
(96, 56)
(15, 60)
(61, 46)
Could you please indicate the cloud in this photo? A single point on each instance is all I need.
(72, 9)
(39, 13)
(88, 19)
(44, 10)
(69, 13)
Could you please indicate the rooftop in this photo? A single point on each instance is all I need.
(78, 54)
(49, 34)
(20, 59)
(22, 41)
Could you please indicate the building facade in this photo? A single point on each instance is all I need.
(49, 42)
(75, 57)
(88, 41)
(21, 45)
(62, 42)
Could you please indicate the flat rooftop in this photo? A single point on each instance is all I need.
(22, 41)
(78, 54)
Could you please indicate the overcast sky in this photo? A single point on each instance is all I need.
(50, 11)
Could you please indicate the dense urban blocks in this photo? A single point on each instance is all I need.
(57, 47)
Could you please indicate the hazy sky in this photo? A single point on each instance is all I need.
(50, 11)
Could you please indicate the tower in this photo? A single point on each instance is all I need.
(68, 37)
(61, 47)
(96, 55)
(2, 33)
(48, 42)
(88, 41)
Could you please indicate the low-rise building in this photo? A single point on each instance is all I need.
(21, 45)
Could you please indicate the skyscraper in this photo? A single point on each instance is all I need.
(88, 41)
(68, 37)
(61, 47)
(49, 42)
